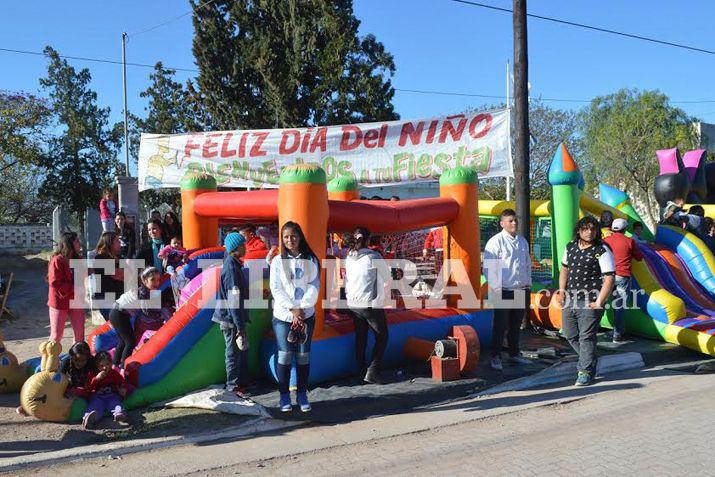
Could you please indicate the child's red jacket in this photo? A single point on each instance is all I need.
(113, 379)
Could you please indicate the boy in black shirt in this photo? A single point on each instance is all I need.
(585, 283)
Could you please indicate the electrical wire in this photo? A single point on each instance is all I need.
(170, 20)
(590, 27)
(403, 90)
(93, 60)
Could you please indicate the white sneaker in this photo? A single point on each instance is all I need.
(520, 360)
(496, 363)
(242, 340)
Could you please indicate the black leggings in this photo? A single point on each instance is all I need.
(121, 322)
(373, 318)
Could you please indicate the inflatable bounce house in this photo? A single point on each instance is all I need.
(187, 352)
(688, 177)
(676, 278)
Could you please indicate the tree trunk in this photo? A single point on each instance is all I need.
(82, 232)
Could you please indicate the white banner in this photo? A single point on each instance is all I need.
(376, 154)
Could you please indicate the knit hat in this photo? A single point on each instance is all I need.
(619, 224)
(233, 240)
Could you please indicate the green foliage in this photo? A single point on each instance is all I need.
(80, 157)
(274, 64)
(22, 119)
(19, 202)
(621, 133)
(548, 127)
(169, 112)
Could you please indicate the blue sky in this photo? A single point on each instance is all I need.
(437, 45)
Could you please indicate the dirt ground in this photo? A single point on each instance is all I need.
(22, 435)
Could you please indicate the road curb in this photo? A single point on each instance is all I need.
(561, 372)
(255, 426)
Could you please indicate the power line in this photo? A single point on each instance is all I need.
(590, 27)
(560, 100)
(449, 93)
(166, 22)
(404, 90)
(93, 60)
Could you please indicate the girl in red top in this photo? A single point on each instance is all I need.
(108, 389)
(61, 291)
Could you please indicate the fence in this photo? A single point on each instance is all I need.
(32, 238)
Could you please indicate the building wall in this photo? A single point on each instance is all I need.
(706, 131)
(25, 238)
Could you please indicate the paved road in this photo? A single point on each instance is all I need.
(663, 429)
(638, 423)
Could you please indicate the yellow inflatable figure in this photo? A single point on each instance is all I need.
(12, 373)
(42, 395)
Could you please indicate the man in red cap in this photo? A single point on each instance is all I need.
(624, 251)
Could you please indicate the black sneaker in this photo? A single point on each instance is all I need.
(617, 338)
(372, 376)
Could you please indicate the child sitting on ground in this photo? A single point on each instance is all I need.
(79, 367)
(173, 254)
(108, 389)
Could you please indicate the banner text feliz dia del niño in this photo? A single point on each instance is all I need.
(375, 153)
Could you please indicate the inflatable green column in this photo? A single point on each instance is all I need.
(620, 200)
(563, 177)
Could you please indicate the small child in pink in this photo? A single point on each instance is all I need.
(173, 254)
(107, 210)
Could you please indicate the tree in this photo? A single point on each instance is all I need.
(22, 121)
(621, 133)
(19, 202)
(169, 111)
(548, 127)
(81, 156)
(23, 118)
(266, 64)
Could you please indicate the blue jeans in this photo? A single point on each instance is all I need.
(579, 327)
(236, 360)
(620, 301)
(287, 350)
(281, 329)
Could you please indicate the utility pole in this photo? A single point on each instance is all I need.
(508, 118)
(522, 189)
(126, 120)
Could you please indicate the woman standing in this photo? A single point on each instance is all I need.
(108, 248)
(365, 276)
(61, 290)
(127, 237)
(172, 226)
(295, 280)
(150, 253)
